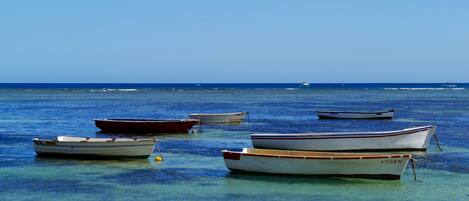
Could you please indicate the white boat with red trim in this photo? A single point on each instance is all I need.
(67, 146)
(410, 139)
(373, 166)
(219, 118)
(385, 114)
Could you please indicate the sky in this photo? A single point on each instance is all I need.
(247, 41)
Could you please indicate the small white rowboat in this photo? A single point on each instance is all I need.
(388, 114)
(374, 166)
(411, 139)
(220, 118)
(66, 146)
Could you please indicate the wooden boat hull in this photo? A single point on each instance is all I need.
(105, 149)
(145, 126)
(412, 139)
(355, 115)
(223, 118)
(372, 167)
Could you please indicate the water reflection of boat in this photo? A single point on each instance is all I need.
(67, 146)
(374, 166)
(121, 163)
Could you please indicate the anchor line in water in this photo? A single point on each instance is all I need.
(437, 142)
(412, 162)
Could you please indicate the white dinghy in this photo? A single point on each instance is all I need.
(373, 166)
(220, 118)
(66, 146)
(411, 139)
(386, 114)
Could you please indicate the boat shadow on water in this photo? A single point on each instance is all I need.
(144, 135)
(305, 179)
(98, 161)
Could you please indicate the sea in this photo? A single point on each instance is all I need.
(193, 167)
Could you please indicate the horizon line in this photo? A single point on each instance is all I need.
(233, 82)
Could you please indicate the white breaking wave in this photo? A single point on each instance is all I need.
(291, 89)
(421, 89)
(113, 90)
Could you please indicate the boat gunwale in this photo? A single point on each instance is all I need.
(320, 155)
(146, 120)
(357, 150)
(87, 140)
(219, 114)
(110, 146)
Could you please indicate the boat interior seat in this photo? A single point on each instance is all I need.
(91, 139)
(307, 153)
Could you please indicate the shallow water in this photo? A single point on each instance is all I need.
(193, 168)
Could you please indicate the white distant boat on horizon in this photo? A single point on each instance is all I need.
(450, 85)
(305, 84)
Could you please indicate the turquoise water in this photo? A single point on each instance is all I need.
(193, 168)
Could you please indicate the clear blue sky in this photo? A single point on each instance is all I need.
(234, 41)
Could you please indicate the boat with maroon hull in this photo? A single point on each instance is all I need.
(152, 126)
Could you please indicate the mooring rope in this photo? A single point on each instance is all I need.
(412, 162)
(437, 142)
(160, 157)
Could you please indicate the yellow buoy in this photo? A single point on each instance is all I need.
(158, 158)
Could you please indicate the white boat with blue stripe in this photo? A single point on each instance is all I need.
(410, 139)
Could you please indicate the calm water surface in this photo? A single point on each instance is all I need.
(193, 168)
